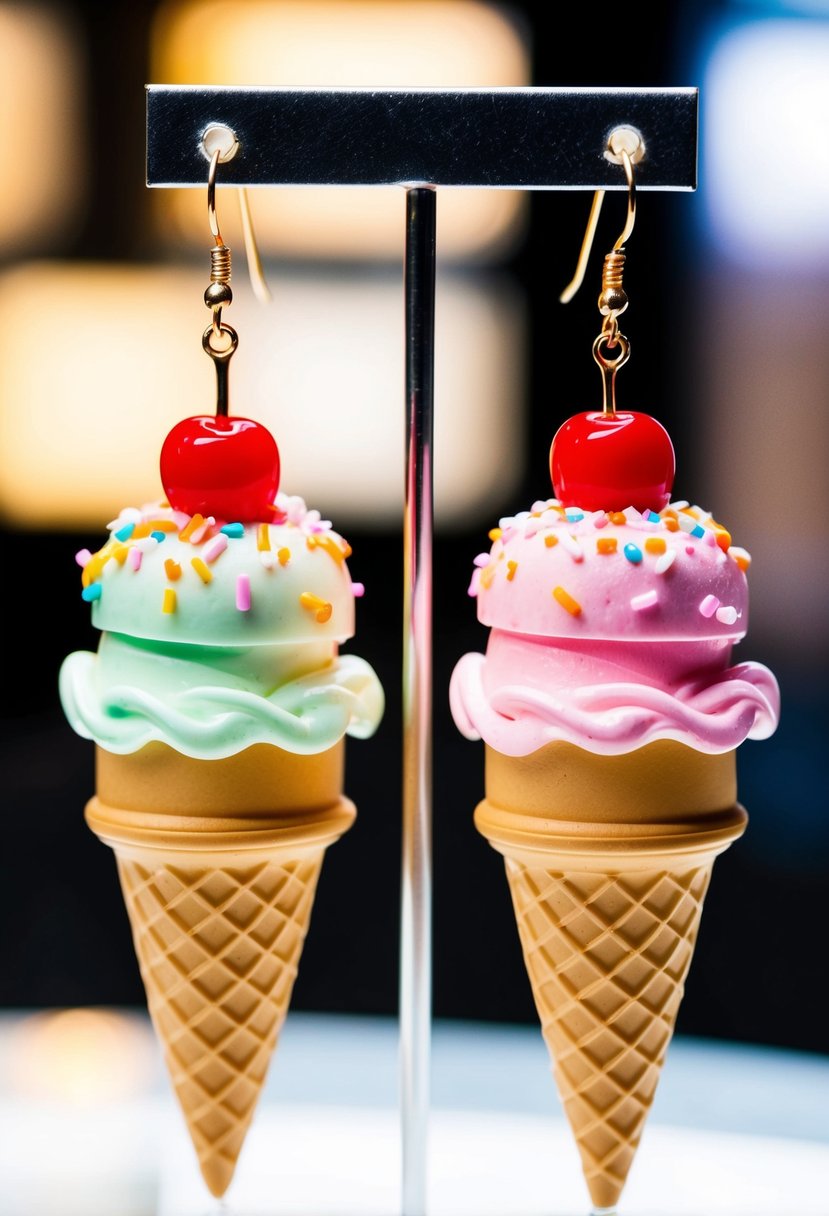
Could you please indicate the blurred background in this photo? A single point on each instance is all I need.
(101, 316)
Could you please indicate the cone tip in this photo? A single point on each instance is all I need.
(218, 1173)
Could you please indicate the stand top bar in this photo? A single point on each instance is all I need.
(509, 138)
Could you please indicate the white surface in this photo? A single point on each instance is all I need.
(734, 1130)
(327, 1161)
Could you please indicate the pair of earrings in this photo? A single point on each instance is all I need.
(606, 702)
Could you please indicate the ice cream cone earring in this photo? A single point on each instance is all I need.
(610, 714)
(219, 703)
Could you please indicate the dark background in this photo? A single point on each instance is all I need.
(64, 935)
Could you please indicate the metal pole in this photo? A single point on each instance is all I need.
(416, 902)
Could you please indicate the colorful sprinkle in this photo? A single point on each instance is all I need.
(119, 552)
(339, 552)
(313, 603)
(482, 559)
(126, 532)
(168, 603)
(495, 534)
(93, 568)
(709, 606)
(263, 538)
(235, 530)
(135, 557)
(741, 557)
(201, 569)
(646, 600)
(216, 547)
(511, 568)
(665, 562)
(566, 600)
(92, 592)
(172, 569)
(243, 592)
(617, 517)
(671, 524)
(654, 517)
(573, 516)
(726, 615)
(606, 544)
(358, 590)
(633, 553)
(158, 535)
(193, 524)
(573, 547)
(203, 531)
(82, 557)
(550, 540)
(723, 538)
(655, 544)
(487, 574)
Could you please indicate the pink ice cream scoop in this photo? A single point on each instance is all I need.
(610, 630)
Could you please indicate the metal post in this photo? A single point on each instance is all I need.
(416, 902)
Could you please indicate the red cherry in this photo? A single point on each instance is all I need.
(606, 462)
(226, 467)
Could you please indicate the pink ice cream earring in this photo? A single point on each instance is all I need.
(610, 713)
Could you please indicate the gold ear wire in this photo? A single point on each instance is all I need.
(221, 145)
(624, 146)
(257, 275)
(586, 245)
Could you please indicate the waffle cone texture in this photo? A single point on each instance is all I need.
(608, 861)
(218, 863)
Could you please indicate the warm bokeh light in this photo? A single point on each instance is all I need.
(81, 1057)
(344, 43)
(44, 147)
(322, 365)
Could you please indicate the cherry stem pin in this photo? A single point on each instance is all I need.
(219, 465)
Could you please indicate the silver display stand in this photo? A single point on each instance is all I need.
(421, 139)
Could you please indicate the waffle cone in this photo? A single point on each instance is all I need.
(608, 861)
(218, 862)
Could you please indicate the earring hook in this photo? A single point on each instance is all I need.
(220, 144)
(625, 146)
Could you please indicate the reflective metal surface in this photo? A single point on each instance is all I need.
(416, 910)
(520, 138)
